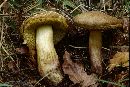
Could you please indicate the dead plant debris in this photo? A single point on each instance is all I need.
(119, 59)
(76, 72)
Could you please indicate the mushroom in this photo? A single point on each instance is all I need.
(96, 22)
(41, 32)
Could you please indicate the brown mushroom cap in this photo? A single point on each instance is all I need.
(96, 20)
(54, 19)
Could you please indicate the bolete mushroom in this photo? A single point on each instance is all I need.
(96, 22)
(41, 32)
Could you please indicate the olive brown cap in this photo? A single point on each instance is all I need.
(97, 20)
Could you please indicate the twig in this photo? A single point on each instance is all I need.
(31, 8)
(105, 48)
(76, 8)
(89, 3)
(6, 14)
(7, 53)
(1, 62)
(87, 47)
(104, 7)
(127, 47)
(1, 39)
(104, 2)
(42, 78)
(3, 3)
(77, 47)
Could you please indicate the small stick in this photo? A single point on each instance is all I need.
(3, 4)
(77, 47)
(87, 47)
(42, 78)
(76, 8)
(119, 47)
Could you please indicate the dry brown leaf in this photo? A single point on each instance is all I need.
(22, 50)
(76, 72)
(12, 67)
(120, 58)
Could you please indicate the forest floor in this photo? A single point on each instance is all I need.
(17, 70)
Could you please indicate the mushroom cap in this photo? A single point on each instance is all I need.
(96, 20)
(56, 20)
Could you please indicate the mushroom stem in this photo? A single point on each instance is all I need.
(95, 44)
(47, 57)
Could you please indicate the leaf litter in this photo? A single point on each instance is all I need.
(119, 59)
(76, 72)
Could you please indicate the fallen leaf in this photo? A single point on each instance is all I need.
(22, 50)
(119, 59)
(76, 72)
(12, 67)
